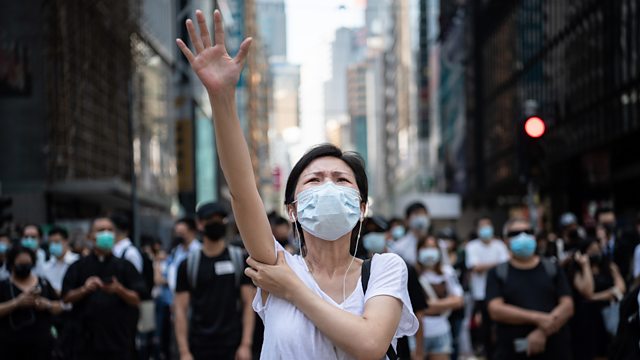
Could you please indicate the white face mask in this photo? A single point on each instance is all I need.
(328, 211)
(429, 256)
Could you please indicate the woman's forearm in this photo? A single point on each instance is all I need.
(449, 303)
(363, 337)
(237, 168)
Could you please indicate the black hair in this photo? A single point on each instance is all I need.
(278, 220)
(414, 207)
(13, 253)
(35, 226)
(483, 217)
(189, 222)
(602, 210)
(60, 231)
(351, 158)
(121, 222)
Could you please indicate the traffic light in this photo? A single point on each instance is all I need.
(531, 130)
(5, 212)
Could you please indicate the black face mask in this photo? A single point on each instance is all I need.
(215, 230)
(22, 271)
(179, 240)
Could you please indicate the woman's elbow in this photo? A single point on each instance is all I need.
(372, 350)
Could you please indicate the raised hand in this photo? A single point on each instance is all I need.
(218, 72)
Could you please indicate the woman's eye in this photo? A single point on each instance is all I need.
(312, 180)
(344, 180)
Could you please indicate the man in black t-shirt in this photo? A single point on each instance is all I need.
(105, 293)
(530, 301)
(211, 283)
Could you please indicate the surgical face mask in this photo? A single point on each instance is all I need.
(105, 240)
(429, 256)
(215, 230)
(374, 242)
(55, 249)
(397, 232)
(523, 245)
(328, 211)
(420, 223)
(22, 271)
(29, 242)
(3, 248)
(485, 232)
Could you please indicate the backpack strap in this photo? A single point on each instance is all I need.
(237, 258)
(193, 263)
(364, 279)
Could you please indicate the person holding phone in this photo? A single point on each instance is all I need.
(529, 299)
(27, 303)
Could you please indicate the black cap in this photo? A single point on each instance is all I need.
(209, 209)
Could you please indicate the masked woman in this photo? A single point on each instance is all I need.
(313, 304)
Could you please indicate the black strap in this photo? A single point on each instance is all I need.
(364, 278)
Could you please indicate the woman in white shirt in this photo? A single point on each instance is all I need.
(444, 294)
(313, 305)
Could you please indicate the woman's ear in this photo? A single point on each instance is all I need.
(291, 211)
(363, 210)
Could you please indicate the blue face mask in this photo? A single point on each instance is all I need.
(485, 232)
(397, 232)
(523, 245)
(429, 256)
(328, 211)
(29, 242)
(3, 248)
(374, 242)
(420, 222)
(55, 249)
(105, 240)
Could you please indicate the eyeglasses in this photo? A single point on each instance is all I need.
(515, 233)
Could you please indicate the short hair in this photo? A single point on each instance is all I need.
(510, 222)
(483, 217)
(100, 217)
(189, 222)
(35, 226)
(60, 231)
(414, 207)
(121, 222)
(17, 250)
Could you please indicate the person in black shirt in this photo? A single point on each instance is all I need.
(530, 300)
(105, 292)
(27, 304)
(211, 283)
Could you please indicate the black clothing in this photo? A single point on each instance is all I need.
(418, 299)
(26, 332)
(216, 303)
(104, 323)
(531, 289)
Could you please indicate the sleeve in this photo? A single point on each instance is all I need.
(70, 280)
(562, 284)
(504, 256)
(182, 279)
(636, 262)
(389, 277)
(453, 286)
(416, 292)
(470, 258)
(133, 255)
(494, 286)
(133, 279)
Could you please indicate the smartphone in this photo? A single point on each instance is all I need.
(521, 345)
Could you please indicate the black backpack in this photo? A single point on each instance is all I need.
(626, 345)
(147, 271)
(364, 277)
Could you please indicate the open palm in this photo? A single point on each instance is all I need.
(218, 71)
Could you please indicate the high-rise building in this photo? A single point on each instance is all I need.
(272, 24)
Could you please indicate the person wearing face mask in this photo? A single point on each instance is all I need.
(5, 245)
(27, 303)
(419, 222)
(303, 298)
(396, 229)
(281, 230)
(482, 254)
(530, 301)
(617, 246)
(444, 295)
(185, 233)
(32, 238)
(105, 291)
(212, 287)
(61, 257)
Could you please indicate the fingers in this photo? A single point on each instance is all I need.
(244, 50)
(185, 50)
(218, 28)
(254, 264)
(195, 39)
(204, 32)
(252, 274)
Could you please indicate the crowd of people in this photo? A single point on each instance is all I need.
(554, 295)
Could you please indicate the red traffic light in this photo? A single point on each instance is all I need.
(534, 127)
